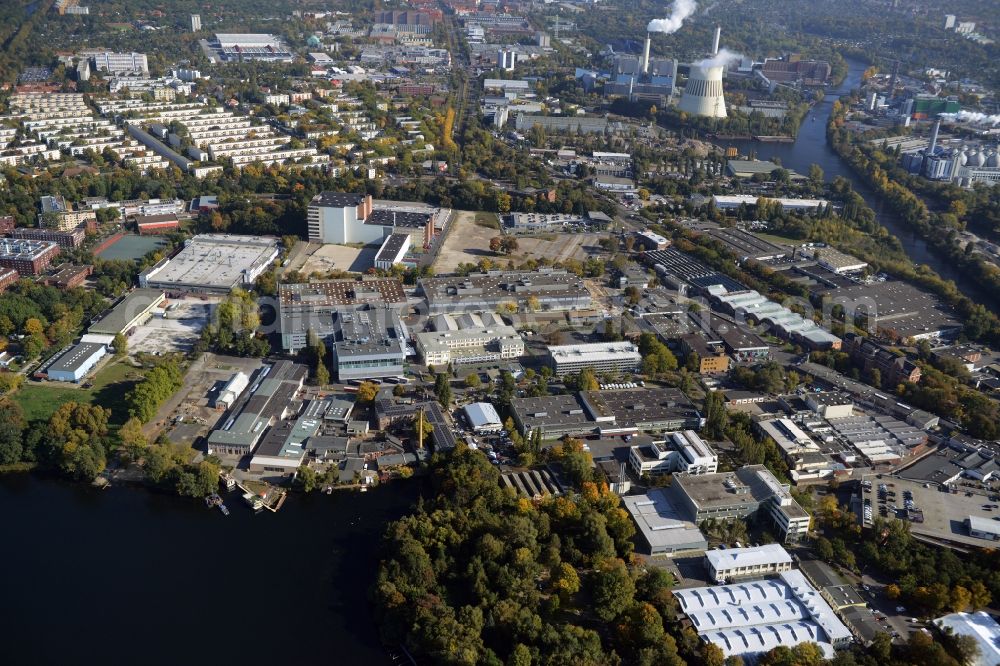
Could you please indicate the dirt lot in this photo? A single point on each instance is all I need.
(558, 247)
(468, 242)
(325, 258)
(195, 402)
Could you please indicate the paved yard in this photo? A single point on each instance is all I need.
(176, 332)
(325, 258)
(469, 242)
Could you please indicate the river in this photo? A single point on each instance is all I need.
(810, 147)
(127, 576)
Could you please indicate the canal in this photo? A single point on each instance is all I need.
(127, 576)
(810, 147)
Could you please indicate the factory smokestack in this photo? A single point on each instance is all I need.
(934, 137)
(645, 55)
(715, 42)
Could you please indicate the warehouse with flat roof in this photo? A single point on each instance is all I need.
(213, 263)
(616, 412)
(313, 305)
(270, 399)
(552, 289)
(663, 525)
(133, 310)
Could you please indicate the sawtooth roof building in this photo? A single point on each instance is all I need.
(553, 289)
(615, 412)
(750, 618)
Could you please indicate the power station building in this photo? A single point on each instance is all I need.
(342, 218)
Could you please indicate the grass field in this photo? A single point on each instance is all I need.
(109, 387)
(487, 220)
(779, 240)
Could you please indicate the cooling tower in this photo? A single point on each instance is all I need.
(703, 94)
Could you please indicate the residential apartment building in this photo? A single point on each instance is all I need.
(27, 257)
(66, 239)
(894, 368)
(121, 62)
(57, 214)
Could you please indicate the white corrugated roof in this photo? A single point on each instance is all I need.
(482, 415)
(983, 628)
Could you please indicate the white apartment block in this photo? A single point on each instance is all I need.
(64, 122)
(220, 134)
(121, 62)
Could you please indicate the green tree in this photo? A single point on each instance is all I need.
(305, 479)
(612, 588)
(716, 416)
(120, 344)
(588, 381)
(133, 441)
(472, 381)
(12, 426)
(442, 389)
(76, 439)
(367, 392)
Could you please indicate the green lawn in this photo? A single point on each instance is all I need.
(488, 220)
(780, 240)
(39, 400)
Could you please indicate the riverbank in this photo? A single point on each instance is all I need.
(811, 147)
(912, 211)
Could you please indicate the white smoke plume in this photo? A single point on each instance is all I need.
(723, 57)
(682, 10)
(973, 117)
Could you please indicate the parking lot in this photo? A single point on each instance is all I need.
(931, 511)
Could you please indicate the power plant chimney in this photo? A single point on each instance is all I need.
(645, 55)
(934, 137)
(715, 42)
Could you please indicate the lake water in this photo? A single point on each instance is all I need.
(127, 576)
